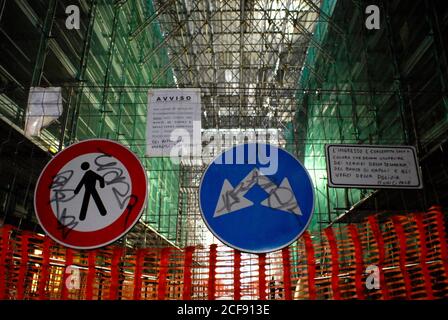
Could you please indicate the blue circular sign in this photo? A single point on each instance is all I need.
(256, 198)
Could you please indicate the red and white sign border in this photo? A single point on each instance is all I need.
(93, 239)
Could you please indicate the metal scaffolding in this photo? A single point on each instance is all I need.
(246, 56)
(308, 70)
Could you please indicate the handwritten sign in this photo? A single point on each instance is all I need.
(90, 194)
(370, 166)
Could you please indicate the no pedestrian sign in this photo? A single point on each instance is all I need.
(90, 194)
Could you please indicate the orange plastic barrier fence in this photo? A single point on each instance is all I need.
(408, 255)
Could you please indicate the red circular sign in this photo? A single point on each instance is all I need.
(90, 194)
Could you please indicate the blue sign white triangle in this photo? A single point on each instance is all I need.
(252, 221)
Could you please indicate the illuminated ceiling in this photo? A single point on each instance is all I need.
(246, 56)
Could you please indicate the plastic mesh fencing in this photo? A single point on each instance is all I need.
(408, 255)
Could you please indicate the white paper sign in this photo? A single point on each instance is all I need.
(372, 166)
(174, 119)
(44, 107)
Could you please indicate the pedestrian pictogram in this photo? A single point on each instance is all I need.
(253, 209)
(88, 181)
(90, 194)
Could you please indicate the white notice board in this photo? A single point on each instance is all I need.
(173, 115)
(372, 166)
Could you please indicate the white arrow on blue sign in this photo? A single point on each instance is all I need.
(251, 207)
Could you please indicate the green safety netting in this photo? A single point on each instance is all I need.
(346, 94)
(112, 102)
